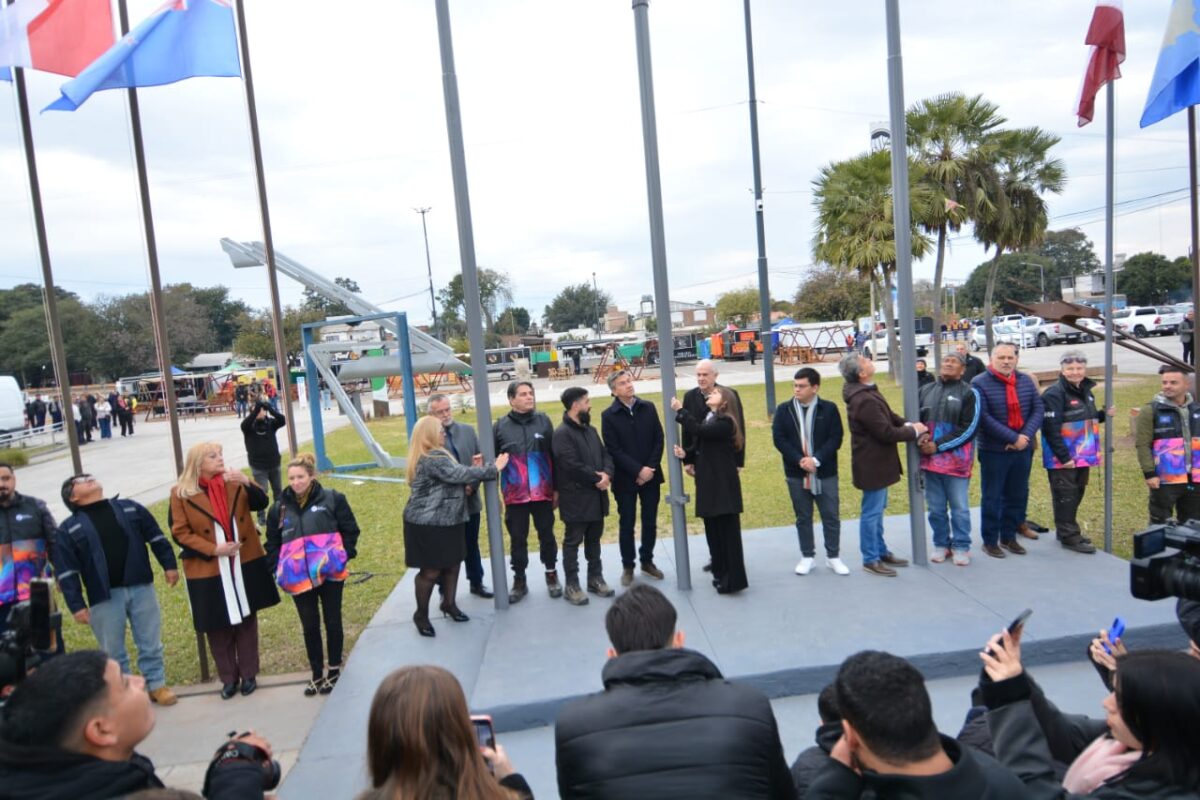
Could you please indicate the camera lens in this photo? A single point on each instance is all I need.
(1178, 578)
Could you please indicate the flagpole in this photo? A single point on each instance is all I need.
(1109, 389)
(57, 352)
(283, 378)
(156, 307)
(1195, 222)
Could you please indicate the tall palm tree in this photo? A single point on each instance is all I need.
(1017, 218)
(855, 229)
(951, 135)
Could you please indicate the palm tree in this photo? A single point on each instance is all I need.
(1016, 217)
(951, 135)
(855, 229)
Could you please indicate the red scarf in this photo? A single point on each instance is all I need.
(214, 487)
(1016, 420)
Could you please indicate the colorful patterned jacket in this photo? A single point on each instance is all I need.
(26, 539)
(306, 547)
(951, 412)
(527, 438)
(1071, 425)
(1168, 440)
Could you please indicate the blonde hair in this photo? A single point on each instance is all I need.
(189, 480)
(306, 461)
(426, 436)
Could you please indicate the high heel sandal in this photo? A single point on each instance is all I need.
(455, 614)
(423, 626)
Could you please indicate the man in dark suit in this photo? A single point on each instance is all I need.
(633, 435)
(808, 434)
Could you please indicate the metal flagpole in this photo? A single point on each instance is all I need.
(901, 219)
(1109, 391)
(472, 309)
(764, 289)
(156, 307)
(57, 353)
(282, 372)
(676, 498)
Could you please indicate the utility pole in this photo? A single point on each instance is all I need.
(429, 267)
(596, 305)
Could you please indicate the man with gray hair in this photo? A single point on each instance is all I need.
(463, 444)
(875, 430)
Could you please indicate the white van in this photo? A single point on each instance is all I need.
(12, 404)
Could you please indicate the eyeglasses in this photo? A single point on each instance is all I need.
(82, 479)
(1073, 360)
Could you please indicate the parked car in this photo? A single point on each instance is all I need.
(1008, 332)
(12, 404)
(877, 346)
(1048, 333)
(1142, 321)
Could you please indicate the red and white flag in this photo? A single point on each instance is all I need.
(60, 36)
(1106, 35)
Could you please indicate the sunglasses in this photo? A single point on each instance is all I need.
(82, 479)
(1073, 361)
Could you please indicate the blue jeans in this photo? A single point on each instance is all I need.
(139, 605)
(870, 525)
(941, 490)
(648, 493)
(1005, 482)
(105, 428)
(474, 561)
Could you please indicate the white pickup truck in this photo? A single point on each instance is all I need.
(1142, 321)
(1048, 333)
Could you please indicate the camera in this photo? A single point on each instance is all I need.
(32, 635)
(1156, 574)
(238, 749)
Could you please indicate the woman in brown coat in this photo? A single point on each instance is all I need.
(223, 561)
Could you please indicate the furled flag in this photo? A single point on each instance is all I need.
(182, 39)
(1106, 35)
(61, 36)
(1176, 83)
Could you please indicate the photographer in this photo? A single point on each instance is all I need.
(26, 539)
(72, 728)
(262, 448)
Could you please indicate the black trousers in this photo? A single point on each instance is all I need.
(1178, 500)
(1189, 354)
(329, 597)
(1067, 487)
(724, 535)
(516, 519)
(588, 534)
(627, 502)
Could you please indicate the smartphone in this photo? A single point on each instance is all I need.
(41, 609)
(485, 734)
(1019, 622)
(1115, 632)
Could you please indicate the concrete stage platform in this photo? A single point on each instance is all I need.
(786, 634)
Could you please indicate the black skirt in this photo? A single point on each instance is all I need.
(434, 546)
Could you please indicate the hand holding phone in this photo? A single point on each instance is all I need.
(1114, 635)
(485, 736)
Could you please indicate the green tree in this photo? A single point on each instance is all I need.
(129, 334)
(495, 291)
(223, 313)
(1017, 279)
(1016, 217)
(255, 337)
(738, 306)
(26, 351)
(513, 320)
(1149, 278)
(952, 136)
(315, 301)
(1071, 253)
(27, 295)
(828, 294)
(576, 307)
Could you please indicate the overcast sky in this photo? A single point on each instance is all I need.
(354, 137)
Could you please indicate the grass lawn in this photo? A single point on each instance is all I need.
(378, 507)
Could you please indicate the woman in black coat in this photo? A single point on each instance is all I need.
(716, 441)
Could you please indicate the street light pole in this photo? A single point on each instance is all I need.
(596, 304)
(429, 267)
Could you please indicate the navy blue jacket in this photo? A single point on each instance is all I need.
(634, 439)
(994, 432)
(827, 438)
(79, 556)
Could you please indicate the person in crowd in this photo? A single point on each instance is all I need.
(716, 442)
(527, 486)
(634, 438)
(875, 430)
(311, 536)
(421, 743)
(241, 396)
(27, 532)
(890, 746)
(435, 516)
(54, 408)
(212, 520)
(326, 394)
(1144, 748)
(1166, 436)
(1187, 334)
(950, 409)
(583, 472)
(262, 448)
(811, 761)
(126, 407)
(93, 421)
(973, 365)
(1011, 414)
(101, 547)
(807, 432)
(71, 729)
(29, 415)
(463, 444)
(1071, 445)
(84, 419)
(924, 376)
(39, 412)
(104, 418)
(668, 724)
(270, 393)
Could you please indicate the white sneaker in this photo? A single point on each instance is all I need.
(805, 566)
(837, 566)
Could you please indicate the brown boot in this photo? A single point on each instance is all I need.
(1026, 531)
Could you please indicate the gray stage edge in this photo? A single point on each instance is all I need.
(785, 635)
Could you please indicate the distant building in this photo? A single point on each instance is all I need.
(615, 320)
(684, 316)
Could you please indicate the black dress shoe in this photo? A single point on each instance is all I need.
(423, 626)
(228, 690)
(248, 686)
(707, 567)
(479, 590)
(453, 613)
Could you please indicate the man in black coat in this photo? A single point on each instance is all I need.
(807, 432)
(813, 760)
(633, 435)
(583, 472)
(667, 724)
(974, 366)
(262, 448)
